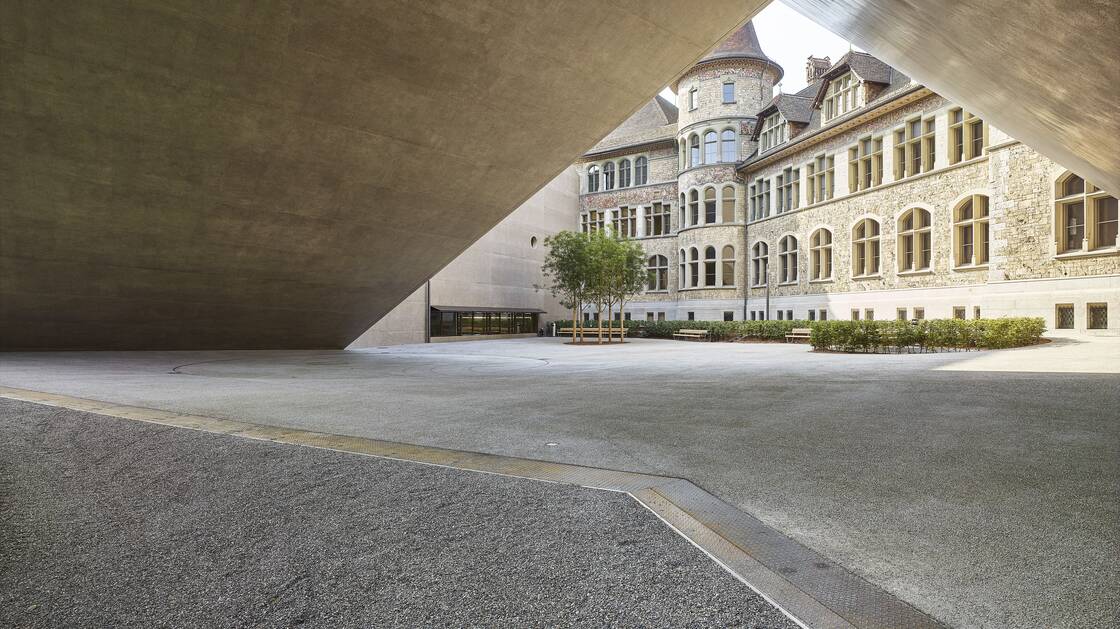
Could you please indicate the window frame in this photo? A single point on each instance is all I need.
(863, 247)
(820, 255)
(974, 225)
(1091, 199)
(909, 238)
(788, 271)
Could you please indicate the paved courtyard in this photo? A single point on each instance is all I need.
(980, 487)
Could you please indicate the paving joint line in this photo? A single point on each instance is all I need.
(812, 590)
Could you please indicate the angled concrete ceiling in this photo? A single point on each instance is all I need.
(1045, 71)
(176, 174)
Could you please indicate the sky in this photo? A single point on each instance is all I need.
(789, 38)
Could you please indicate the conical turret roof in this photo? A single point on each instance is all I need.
(742, 44)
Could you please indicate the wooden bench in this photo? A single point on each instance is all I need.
(698, 335)
(594, 332)
(799, 334)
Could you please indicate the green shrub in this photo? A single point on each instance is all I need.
(935, 334)
(719, 330)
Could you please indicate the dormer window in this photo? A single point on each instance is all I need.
(774, 131)
(840, 97)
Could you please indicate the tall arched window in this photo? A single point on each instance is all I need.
(682, 272)
(710, 266)
(760, 259)
(820, 255)
(693, 208)
(787, 260)
(728, 205)
(683, 207)
(658, 271)
(608, 176)
(710, 148)
(728, 146)
(728, 265)
(693, 267)
(624, 174)
(641, 171)
(865, 248)
(684, 154)
(709, 205)
(593, 179)
(1085, 217)
(694, 150)
(914, 249)
(970, 232)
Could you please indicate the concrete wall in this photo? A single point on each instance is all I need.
(500, 270)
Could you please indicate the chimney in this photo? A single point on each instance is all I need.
(815, 68)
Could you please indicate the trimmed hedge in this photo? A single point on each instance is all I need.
(862, 336)
(929, 335)
(718, 330)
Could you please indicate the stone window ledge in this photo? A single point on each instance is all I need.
(793, 283)
(690, 288)
(965, 268)
(1104, 251)
(823, 280)
(657, 292)
(877, 276)
(915, 273)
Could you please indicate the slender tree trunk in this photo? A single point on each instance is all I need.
(575, 324)
(599, 327)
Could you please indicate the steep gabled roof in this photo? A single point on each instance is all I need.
(794, 108)
(861, 64)
(742, 44)
(655, 121)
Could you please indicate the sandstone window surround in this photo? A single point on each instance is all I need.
(914, 148)
(760, 199)
(593, 178)
(919, 313)
(694, 150)
(729, 146)
(658, 274)
(787, 260)
(727, 203)
(775, 131)
(608, 176)
(968, 135)
(865, 248)
(820, 255)
(728, 92)
(692, 98)
(693, 267)
(591, 221)
(1085, 217)
(915, 235)
(709, 206)
(865, 164)
(971, 233)
(842, 96)
(625, 223)
(641, 170)
(1096, 316)
(657, 219)
(624, 174)
(682, 271)
(693, 208)
(760, 260)
(728, 266)
(710, 266)
(819, 175)
(682, 208)
(789, 190)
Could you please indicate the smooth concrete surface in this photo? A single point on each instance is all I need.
(983, 497)
(1045, 71)
(110, 522)
(239, 175)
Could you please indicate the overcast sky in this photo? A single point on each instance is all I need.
(789, 38)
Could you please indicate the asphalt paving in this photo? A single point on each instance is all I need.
(113, 522)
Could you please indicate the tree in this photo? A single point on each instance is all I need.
(566, 267)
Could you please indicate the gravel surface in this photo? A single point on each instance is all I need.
(110, 522)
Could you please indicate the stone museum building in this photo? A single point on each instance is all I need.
(863, 196)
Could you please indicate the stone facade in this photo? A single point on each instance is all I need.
(1024, 274)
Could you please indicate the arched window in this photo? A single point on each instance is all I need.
(682, 272)
(970, 232)
(694, 150)
(914, 250)
(1085, 217)
(658, 271)
(693, 208)
(710, 148)
(693, 267)
(728, 201)
(865, 248)
(710, 266)
(683, 213)
(709, 205)
(593, 179)
(787, 260)
(624, 174)
(641, 171)
(608, 176)
(728, 146)
(760, 258)
(684, 155)
(728, 264)
(820, 255)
